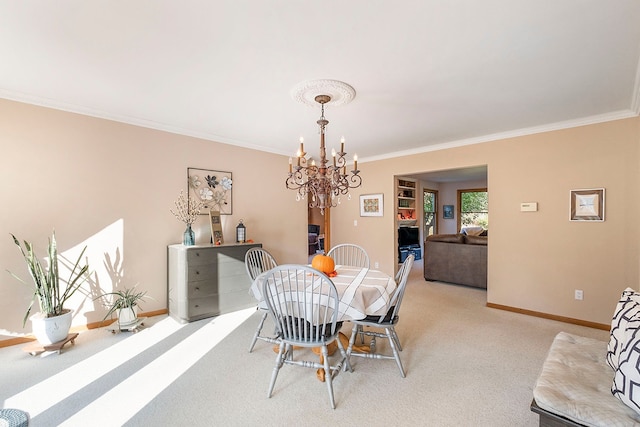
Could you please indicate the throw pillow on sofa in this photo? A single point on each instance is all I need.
(626, 382)
(626, 320)
(472, 230)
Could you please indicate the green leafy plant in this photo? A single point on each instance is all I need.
(47, 284)
(126, 298)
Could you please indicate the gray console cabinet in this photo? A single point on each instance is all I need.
(207, 280)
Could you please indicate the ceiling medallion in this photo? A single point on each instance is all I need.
(339, 92)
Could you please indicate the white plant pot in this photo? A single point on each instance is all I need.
(127, 317)
(50, 330)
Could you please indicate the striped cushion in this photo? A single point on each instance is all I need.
(626, 320)
(626, 383)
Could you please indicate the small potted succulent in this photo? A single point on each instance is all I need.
(53, 322)
(125, 303)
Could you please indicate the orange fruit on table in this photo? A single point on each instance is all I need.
(323, 263)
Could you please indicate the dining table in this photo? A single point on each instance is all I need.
(361, 291)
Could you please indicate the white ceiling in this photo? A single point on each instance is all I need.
(428, 74)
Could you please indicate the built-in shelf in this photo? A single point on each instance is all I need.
(407, 218)
(406, 199)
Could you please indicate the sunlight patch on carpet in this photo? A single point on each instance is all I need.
(159, 374)
(53, 390)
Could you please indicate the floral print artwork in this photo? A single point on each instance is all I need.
(212, 188)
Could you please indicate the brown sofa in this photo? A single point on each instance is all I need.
(456, 258)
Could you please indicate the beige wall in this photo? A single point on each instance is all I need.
(110, 186)
(536, 260)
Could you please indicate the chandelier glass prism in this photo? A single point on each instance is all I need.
(322, 184)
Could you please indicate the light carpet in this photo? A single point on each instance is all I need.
(466, 364)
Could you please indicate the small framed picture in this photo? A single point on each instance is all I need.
(216, 227)
(371, 205)
(587, 205)
(447, 211)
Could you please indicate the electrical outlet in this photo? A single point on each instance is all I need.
(376, 265)
(578, 294)
(355, 222)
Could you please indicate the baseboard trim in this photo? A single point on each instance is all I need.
(94, 325)
(594, 325)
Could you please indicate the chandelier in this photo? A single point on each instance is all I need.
(323, 183)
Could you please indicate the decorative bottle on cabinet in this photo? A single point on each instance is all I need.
(189, 238)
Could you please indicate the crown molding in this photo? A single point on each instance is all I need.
(602, 118)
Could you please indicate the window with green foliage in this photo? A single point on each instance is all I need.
(473, 208)
(430, 201)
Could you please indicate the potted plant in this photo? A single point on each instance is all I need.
(53, 322)
(125, 303)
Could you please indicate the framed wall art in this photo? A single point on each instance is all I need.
(216, 227)
(447, 211)
(587, 205)
(213, 187)
(371, 205)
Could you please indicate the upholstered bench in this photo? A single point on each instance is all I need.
(574, 387)
(586, 382)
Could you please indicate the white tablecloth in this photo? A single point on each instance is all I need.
(362, 292)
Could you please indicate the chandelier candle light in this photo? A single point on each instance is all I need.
(324, 183)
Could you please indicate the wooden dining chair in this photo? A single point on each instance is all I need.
(258, 261)
(349, 254)
(303, 302)
(386, 323)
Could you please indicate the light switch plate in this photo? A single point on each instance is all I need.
(529, 207)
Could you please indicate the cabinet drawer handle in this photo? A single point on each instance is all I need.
(197, 289)
(197, 272)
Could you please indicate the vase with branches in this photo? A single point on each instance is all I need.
(187, 211)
